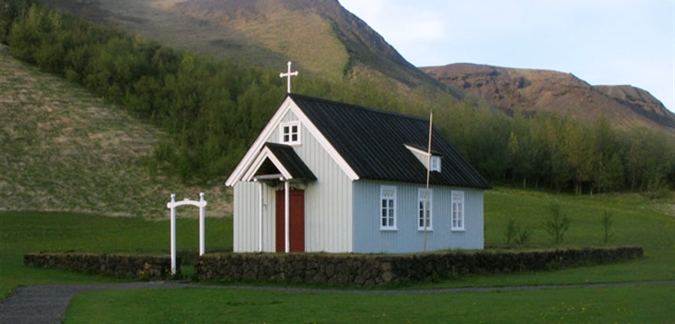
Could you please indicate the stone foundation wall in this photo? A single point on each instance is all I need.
(372, 270)
(129, 266)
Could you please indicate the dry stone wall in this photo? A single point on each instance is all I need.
(372, 270)
(128, 266)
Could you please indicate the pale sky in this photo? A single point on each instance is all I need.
(603, 42)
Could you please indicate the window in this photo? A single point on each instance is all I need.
(424, 204)
(388, 208)
(290, 133)
(435, 163)
(432, 163)
(457, 211)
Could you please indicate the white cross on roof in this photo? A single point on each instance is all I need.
(288, 74)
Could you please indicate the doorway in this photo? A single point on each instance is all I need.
(296, 220)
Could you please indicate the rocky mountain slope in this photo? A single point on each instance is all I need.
(320, 37)
(550, 91)
(323, 38)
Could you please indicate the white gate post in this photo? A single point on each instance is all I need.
(202, 212)
(172, 205)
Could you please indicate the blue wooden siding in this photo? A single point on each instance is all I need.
(368, 238)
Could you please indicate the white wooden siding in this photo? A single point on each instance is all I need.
(246, 208)
(368, 238)
(327, 203)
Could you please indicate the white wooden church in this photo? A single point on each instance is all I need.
(325, 176)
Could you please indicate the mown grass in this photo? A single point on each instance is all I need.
(637, 221)
(649, 304)
(25, 232)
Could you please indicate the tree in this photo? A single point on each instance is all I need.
(10, 12)
(557, 224)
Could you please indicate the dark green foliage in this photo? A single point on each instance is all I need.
(11, 10)
(213, 110)
(557, 224)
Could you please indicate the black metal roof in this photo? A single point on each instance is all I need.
(291, 161)
(373, 143)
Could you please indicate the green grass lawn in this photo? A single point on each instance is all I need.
(599, 305)
(637, 221)
(22, 233)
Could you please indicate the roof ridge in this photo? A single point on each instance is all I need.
(355, 106)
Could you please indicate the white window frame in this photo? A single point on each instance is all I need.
(422, 209)
(457, 215)
(435, 163)
(387, 208)
(286, 133)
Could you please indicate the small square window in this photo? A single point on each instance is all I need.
(435, 164)
(290, 133)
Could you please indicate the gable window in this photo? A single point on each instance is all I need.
(435, 163)
(387, 208)
(432, 163)
(290, 133)
(457, 211)
(424, 204)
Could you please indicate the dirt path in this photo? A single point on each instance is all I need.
(48, 304)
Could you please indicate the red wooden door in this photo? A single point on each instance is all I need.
(296, 220)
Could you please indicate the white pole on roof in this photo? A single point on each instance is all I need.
(426, 212)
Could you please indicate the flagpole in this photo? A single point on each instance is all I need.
(426, 214)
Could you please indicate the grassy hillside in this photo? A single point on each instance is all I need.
(61, 149)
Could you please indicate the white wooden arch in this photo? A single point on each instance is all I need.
(202, 214)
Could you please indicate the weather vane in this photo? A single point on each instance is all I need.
(288, 74)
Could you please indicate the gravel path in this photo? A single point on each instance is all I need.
(48, 304)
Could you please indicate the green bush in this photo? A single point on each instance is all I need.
(515, 234)
(557, 224)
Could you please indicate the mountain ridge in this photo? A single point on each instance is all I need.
(535, 90)
(323, 38)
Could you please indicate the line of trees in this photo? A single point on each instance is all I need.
(213, 109)
(548, 151)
